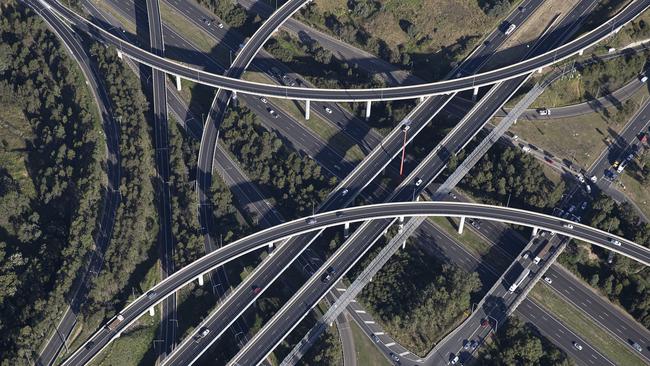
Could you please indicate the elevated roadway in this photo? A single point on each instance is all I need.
(402, 92)
(297, 227)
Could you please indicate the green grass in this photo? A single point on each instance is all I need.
(367, 353)
(105, 7)
(574, 319)
(328, 133)
(636, 192)
(194, 35)
(472, 241)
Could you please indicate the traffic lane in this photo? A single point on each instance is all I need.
(599, 309)
(560, 335)
(406, 92)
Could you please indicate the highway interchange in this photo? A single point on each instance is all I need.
(425, 112)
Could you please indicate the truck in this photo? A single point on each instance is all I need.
(112, 325)
(520, 279)
(542, 252)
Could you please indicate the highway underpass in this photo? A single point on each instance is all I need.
(267, 237)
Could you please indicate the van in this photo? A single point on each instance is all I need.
(510, 29)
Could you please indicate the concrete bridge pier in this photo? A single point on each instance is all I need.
(346, 230)
(119, 54)
(368, 105)
(307, 107)
(401, 224)
(535, 231)
(178, 83)
(475, 94)
(152, 311)
(200, 278)
(270, 249)
(461, 225)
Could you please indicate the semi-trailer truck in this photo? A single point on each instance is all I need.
(112, 325)
(520, 279)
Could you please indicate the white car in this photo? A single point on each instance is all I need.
(418, 182)
(525, 149)
(568, 226)
(548, 280)
(615, 242)
(593, 179)
(510, 29)
(577, 346)
(263, 100)
(220, 25)
(344, 192)
(328, 110)
(581, 178)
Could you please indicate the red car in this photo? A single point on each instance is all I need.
(484, 322)
(256, 289)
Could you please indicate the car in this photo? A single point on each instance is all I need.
(593, 179)
(311, 221)
(581, 178)
(572, 208)
(328, 110)
(220, 25)
(630, 157)
(256, 289)
(544, 112)
(454, 359)
(344, 192)
(637, 347)
(466, 344)
(484, 323)
(374, 338)
(89, 345)
(521, 9)
(292, 83)
(326, 277)
(331, 270)
(567, 225)
(406, 127)
(510, 29)
(577, 346)
(525, 149)
(615, 242)
(515, 137)
(526, 255)
(272, 112)
(588, 188)
(615, 165)
(452, 195)
(583, 205)
(418, 182)
(548, 280)
(204, 332)
(643, 78)
(394, 357)
(473, 344)
(151, 295)
(263, 100)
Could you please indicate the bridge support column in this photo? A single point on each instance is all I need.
(535, 230)
(461, 224)
(151, 311)
(200, 278)
(119, 54)
(618, 29)
(368, 104)
(539, 71)
(271, 251)
(401, 224)
(307, 106)
(178, 83)
(475, 94)
(581, 52)
(346, 230)
(421, 99)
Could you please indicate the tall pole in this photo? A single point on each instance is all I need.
(401, 165)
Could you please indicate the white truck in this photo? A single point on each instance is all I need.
(520, 279)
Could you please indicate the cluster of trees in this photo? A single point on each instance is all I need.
(601, 77)
(640, 168)
(229, 11)
(508, 174)
(495, 8)
(296, 181)
(136, 221)
(185, 224)
(419, 298)
(518, 343)
(50, 181)
(623, 280)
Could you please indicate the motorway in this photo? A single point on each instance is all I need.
(59, 337)
(161, 145)
(298, 227)
(402, 92)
